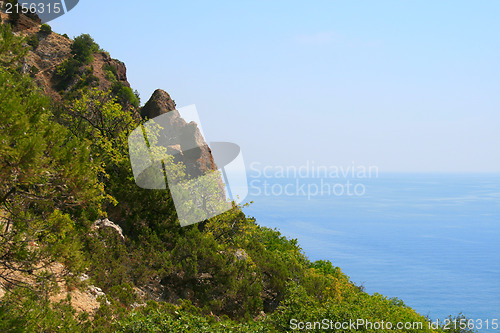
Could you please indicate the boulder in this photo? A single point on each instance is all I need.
(241, 255)
(105, 223)
(179, 136)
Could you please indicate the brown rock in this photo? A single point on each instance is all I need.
(159, 103)
(53, 49)
(121, 69)
(194, 152)
(25, 22)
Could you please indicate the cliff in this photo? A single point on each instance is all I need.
(64, 169)
(182, 135)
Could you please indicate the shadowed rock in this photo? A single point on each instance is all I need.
(181, 137)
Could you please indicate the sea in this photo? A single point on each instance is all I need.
(429, 239)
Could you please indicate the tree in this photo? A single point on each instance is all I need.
(47, 180)
(45, 29)
(12, 50)
(83, 48)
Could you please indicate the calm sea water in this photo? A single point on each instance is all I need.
(432, 240)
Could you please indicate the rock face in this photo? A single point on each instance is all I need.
(23, 21)
(103, 58)
(53, 49)
(159, 103)
(105, 223)
(181, 136)
(51, 52)
(241, 255)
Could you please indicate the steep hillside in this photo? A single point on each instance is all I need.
(68, 199)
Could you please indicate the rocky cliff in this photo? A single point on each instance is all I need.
(181, 137)
(52, 50)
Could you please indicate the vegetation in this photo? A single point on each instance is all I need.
(65, 165)
(83, 49)
(124, 94)
(12, 50)
(33, 41)
(78, 73)
(76, 70)
(45, 29)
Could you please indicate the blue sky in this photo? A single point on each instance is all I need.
(406, 86)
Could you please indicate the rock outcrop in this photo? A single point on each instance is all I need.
(42, 63)
(181, 136)
(52, 50)
(159, 103)
(22, 21)
(105, 223)
(102, 59)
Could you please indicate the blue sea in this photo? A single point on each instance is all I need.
(432, 240)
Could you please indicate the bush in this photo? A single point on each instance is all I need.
(34, 71)
(66, 72)
(83, 48)
(33, 41)
(110, 71)
(45, 29)
(124, 94)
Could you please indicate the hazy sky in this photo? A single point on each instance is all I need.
(405, 86)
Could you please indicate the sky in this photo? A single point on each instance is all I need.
(403, 86)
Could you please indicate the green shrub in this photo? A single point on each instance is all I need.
(66, 71)
(26, 311)
(124, 293)
(124, 94)
(34, 71)
(110, 72)
(33, 41)
(45, 29)
(83, 48)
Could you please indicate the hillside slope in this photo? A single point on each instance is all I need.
(68, 199)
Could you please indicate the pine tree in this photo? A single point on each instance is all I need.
(46, 178)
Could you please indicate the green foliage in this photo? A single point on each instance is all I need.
(45, 29)
(98, 119)
(183, 318)
(110, 70)
(326, 267)
(74, 70)
(124, 94)
(33, 41)
(83, 48)
(25, 311)
(12, 50)
(124, 293)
